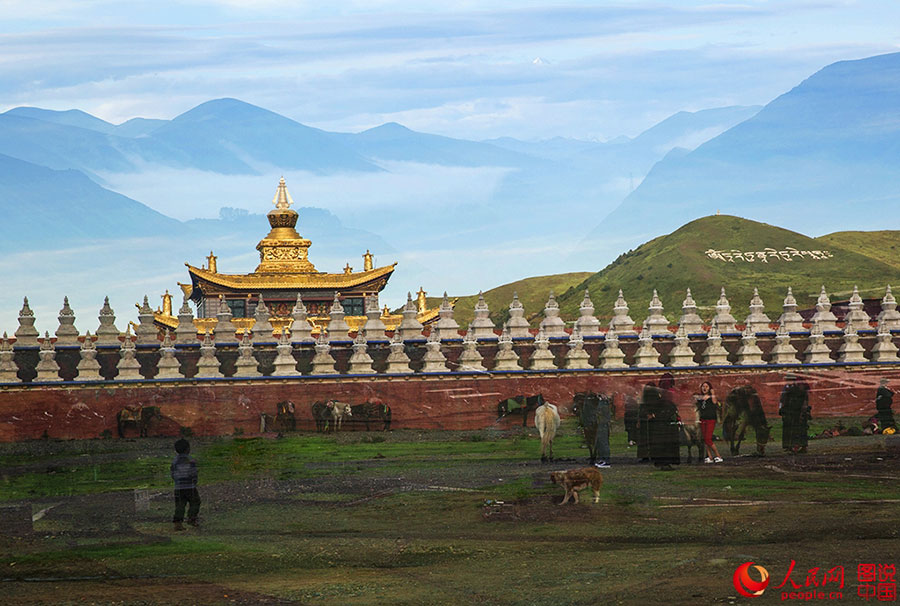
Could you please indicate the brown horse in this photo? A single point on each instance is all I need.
(742, 408)
(139, 418)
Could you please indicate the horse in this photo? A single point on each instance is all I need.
(743, 408)
(690, 435)
(519, 404)
(284, 418)
(321, 414)
(372, 411)
(546, 419)
(138, 418)
(594, 412)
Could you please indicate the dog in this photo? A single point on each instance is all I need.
(574, 480)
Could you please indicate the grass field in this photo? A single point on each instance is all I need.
(411, 517)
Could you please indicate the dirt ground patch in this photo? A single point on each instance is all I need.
(434, 518)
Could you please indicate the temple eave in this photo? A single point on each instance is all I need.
(293, 281)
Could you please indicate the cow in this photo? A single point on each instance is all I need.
(546, 419)
(373, 411)
(519, 405)
(742, 408)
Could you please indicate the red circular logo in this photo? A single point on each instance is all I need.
(745, 585)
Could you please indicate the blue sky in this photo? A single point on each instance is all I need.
(469, 69)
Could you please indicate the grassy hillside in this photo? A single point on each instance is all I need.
(881, 245)
(678, 260)
(533, 293)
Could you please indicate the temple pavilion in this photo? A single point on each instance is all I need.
(283, 273)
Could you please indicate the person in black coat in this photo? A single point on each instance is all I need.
(632, 410)
(665, 446)
(884, 400)
(795, 414)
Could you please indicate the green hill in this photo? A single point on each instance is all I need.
(881, 245)
(533, 293)
(679, 260)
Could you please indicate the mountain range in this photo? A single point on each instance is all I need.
(821, 157)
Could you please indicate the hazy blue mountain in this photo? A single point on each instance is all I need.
(393, 141)
(137, 127)
(48, 208)
(62, 146)
(69, 117)
(823, 155)
(232, 137)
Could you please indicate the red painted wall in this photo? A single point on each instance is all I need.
(443, 402)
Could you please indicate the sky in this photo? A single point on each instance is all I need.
(477, 70)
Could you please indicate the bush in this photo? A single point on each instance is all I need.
(185, 432)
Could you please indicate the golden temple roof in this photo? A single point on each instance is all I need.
(290, 281)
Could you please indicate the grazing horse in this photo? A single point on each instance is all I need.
(373, 411)
(138, 418)
(743, 408)
(546, 419)
(593, 412)
(519, 404)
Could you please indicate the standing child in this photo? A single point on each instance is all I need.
(708, 410)
(184, 473)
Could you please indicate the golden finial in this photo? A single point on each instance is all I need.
(420, 300)
(282, 199)
(212, 262)
(167, 304)
(348, 269)
(367, 261)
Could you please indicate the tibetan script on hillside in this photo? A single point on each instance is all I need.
(766, 254)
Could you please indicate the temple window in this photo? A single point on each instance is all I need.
(238, 307)
(354, 306)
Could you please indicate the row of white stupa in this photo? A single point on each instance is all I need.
(147, 333)
(506, 358)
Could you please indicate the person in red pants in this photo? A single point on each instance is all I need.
(708, 411)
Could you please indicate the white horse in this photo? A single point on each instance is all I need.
(339, 410)
(546, 419)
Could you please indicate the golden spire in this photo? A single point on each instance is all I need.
(367, 261)
(283, 250)
(421, 303)
(212, 263)
(282, 199)
(348, 269)
(167, 304)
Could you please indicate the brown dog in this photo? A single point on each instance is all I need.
(574, 480)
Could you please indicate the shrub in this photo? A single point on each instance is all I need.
(185, 432)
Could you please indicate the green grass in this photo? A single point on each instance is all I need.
(533, 294)
(880, 245)
(335, 537)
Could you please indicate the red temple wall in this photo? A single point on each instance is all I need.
(458, 401)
